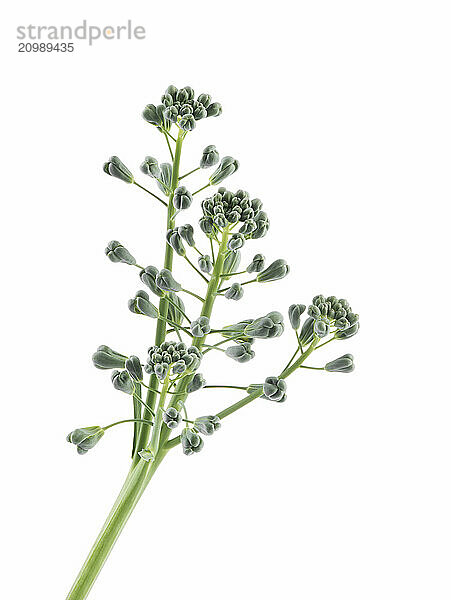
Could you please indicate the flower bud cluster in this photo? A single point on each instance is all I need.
(179, 106)
(225, 207)
(172, 354)
(332, 312)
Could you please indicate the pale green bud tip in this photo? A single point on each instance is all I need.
(147, 455)
(172, 417)
(116, 168)
(197, 383)
(276, 270)
(141, 305)
(275, 389)
(116, 252)
(207, 425)
(134, 368)
(85, 438)
(227, 167)
(266, 327)
(205, 264)
(150, 167)
(106, 358)
(235, 292)
(191, 442)
(149, 277)
(210, 157)
(294, 314)
(174, 239)
(343, 364)
(242, 352)
(257, 264)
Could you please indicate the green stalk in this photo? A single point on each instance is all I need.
(141, 472)
(160, 333)
(131, 492)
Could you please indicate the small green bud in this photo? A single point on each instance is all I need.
(171, 113)
(262, 221)
(235, 242)
(149, 276)
(141, 305)
(134, 368)
(117, 253)
(116, 168)
(344, 364)
(172, 417)
(210, 157)
(186, 232)
(204, 99)
(191, 442)
(182, 198)
(313, 311)
(85, 438)
(166, 281)
(275, 389)
(174, 239)
(294, 314)
(205, 264)
(207, 425)
(199, 112)
(345, 334)
(164, 181)
(122, 382)
(306, 335)
(206, 225)
(150, 114)
(235, 292)
(106, 358)
(174, 314)
(214, 110)
(196, 383)
(257, 264)
(150, 167)
(248, 227)
(240, 352)
(231, 263)
(227, 166)
(200, 327)
(321, 328)
(266, 327)
(276, 270)
(187, 122)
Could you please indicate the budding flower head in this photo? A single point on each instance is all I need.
(150, 167)
(207, 425)
(191, 442)
(276, 270)
(257, 264)
(116, 252)
(200, 327)
(196, 383)
(172, 354)
(294, 314)
(266, 327)
(116, 168)
(205, 264)
(106, 358)
(343, 364)
(226, 207)
(182, 198)
(134, 368)
(227, 167)
(149, 277)
(172, 417)
(210, 157)
(242, 352)
(235, 292)
(333, 312)
(85, 438)
(141, 305)
(123, 382)
(275, 389)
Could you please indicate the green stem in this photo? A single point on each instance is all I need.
(131, 492)
(169, 145)
(202, 188)
(189, 173)
(151, 193)
(195, 268)
(160, 333)
(192, 294)
(126, 421)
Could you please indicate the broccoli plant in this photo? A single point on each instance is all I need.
(161, 382)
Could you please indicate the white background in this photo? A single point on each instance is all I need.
(339, 113)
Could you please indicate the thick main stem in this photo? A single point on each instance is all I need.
(131, 492)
